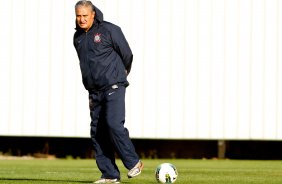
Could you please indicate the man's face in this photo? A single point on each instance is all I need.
(84, 17)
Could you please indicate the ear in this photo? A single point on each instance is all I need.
(93, 14)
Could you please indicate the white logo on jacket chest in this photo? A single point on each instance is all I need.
(97, 38)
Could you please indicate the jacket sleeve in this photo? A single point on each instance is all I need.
(121, 46)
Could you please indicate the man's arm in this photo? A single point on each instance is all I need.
(121, 46)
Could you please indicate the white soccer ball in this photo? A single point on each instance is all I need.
(166, 173)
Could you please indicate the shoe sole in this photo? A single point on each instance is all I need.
(107, 182)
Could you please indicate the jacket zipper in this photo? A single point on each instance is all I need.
(87, 54)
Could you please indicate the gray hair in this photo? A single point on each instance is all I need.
(86, 3)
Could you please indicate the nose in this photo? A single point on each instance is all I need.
(82, 19)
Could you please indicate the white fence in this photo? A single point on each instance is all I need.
(203, 69)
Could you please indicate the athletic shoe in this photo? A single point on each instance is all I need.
(136, 170)
(104, 180)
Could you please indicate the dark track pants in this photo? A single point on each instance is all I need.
(108, 134)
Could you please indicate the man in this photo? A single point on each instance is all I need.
(105, 61)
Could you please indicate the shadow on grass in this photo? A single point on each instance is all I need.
(42, 180)
(16, 180)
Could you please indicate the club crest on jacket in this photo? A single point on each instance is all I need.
(97, 38)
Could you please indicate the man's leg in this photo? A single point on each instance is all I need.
(104, 152)
(115, 117)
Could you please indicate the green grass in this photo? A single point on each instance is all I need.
(63, 171)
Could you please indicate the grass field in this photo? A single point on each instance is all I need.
(63, 171)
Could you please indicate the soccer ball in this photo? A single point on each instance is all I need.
(166, 173)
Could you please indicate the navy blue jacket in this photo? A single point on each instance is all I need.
(104, 54)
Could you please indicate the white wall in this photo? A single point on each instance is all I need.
(203, 69)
